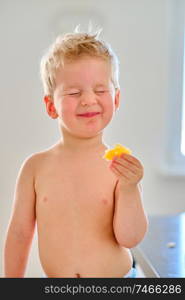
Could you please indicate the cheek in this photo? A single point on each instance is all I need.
(67, 106)
(108, 104)
(109, 109)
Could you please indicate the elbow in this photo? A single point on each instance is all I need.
(20, 234)
(126, 240)
(127, 243)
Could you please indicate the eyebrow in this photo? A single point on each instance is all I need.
(101, 85)
(78, 86)
(71, 87)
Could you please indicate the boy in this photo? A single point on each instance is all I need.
(89, 212)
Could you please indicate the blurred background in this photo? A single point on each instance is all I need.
(147, 36)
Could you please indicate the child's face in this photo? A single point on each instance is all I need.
(84, 98)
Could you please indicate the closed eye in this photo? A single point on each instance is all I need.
(100, 92)
(73, 94)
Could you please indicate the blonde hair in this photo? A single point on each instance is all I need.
(70, 47)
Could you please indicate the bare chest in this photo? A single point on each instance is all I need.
(76, 191)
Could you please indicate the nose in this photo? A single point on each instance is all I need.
(88, 98)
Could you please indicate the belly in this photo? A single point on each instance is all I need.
(75, 233)
(70, 253)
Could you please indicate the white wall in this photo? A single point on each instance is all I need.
(139, 31)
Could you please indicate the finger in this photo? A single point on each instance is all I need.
(114, 170)
(127, 165)
(132, 159)
(123, 171)
(137, 169)
(128, 173)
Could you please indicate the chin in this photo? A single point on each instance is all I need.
(88, 135)
(88, 131)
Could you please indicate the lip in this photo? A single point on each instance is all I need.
(88, 114)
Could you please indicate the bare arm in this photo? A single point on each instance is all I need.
(130, 221)
(22, 223)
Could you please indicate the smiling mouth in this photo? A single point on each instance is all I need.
(89, 114)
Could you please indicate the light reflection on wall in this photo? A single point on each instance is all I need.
(183, 110)
(182, 245)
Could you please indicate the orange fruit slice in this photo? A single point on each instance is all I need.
(116, 151)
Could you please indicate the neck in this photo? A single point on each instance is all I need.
(75, 144)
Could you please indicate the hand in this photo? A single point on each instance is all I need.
(128, 169)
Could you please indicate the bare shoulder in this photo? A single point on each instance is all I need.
(36, 160)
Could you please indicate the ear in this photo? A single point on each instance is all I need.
(117, 99)
(50, 107)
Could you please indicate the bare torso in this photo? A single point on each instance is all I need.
(74, 210)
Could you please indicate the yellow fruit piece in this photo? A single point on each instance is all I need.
(116, 151)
